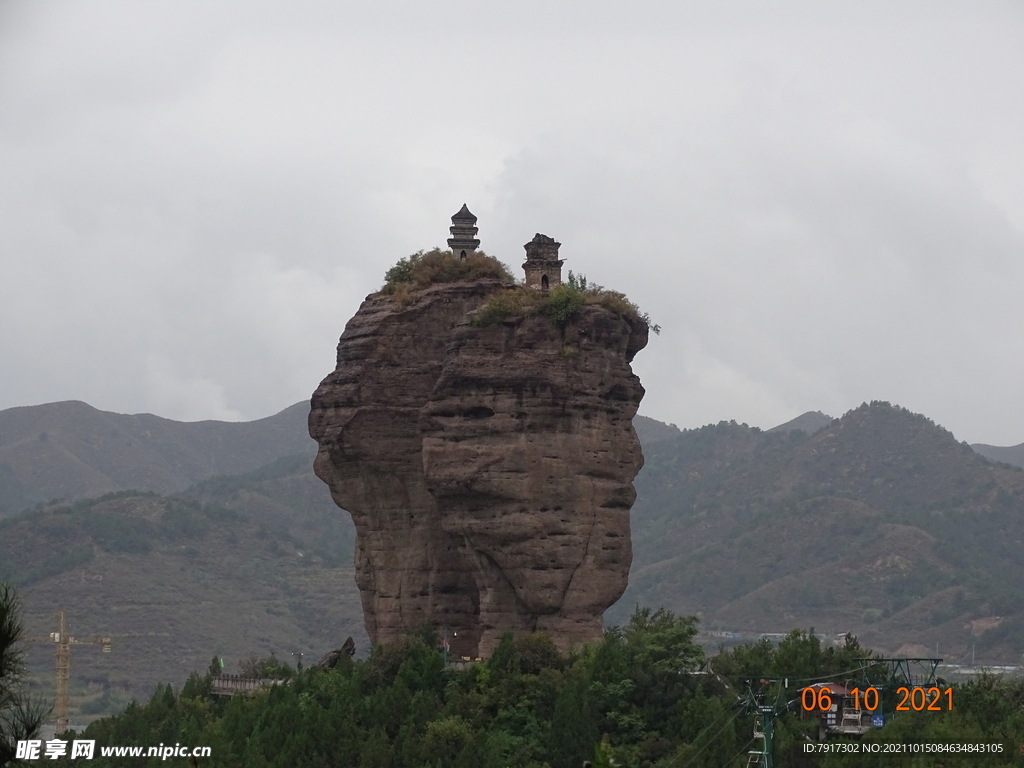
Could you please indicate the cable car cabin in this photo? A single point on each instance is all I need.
(836, 711)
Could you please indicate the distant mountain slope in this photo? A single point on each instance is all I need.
(71, 450)
(809, 422)
(214, 569)
(1008, 455)
(234, 566)
(880, 524)
(286, 499)
(651, 431)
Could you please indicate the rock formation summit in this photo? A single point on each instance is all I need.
(480, 434)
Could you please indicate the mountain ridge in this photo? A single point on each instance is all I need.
(1012, 454)
(71, 450)
(809, 422)
(881, 523)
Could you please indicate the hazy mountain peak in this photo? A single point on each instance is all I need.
(809, 423)
(651, 431)
(70, 450)
(1013, 454)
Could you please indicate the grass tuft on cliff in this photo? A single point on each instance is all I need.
(426, 268)
(561, 304)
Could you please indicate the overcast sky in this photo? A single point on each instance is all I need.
(820, 203)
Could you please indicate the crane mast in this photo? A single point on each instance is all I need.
(63, 642)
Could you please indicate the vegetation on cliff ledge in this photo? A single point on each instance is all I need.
(561, 304)
(426, 268)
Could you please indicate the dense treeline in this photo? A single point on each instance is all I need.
(644, 697)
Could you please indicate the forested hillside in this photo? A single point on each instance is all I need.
(880, 524)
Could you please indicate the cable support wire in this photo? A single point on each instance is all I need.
(711, 740)
(824, 677)
(729, 761)
(837, 674)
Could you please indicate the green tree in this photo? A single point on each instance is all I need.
(563, 304)
(267, 668)
(445, 739)
(20, 716)
(641, 675)
(376, 752)
(573, 725)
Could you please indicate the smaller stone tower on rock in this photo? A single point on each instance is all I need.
(463, 240)
(542, 266)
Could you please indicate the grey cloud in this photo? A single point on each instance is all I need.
(815, 201)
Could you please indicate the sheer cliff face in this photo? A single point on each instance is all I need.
(488, 469)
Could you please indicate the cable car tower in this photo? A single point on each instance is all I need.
(765, 714)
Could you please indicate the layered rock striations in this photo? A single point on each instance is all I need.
(488, 469)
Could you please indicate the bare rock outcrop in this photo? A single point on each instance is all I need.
(488, 469)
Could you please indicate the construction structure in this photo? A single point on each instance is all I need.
(229, 685)
(63, 642)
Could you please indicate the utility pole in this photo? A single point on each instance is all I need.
(64, 641)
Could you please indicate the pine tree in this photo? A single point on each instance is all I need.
(573, 725)
(20, 717)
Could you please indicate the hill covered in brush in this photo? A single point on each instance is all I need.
(253, 564)
(880, 524)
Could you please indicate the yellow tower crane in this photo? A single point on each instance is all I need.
(64, 641)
